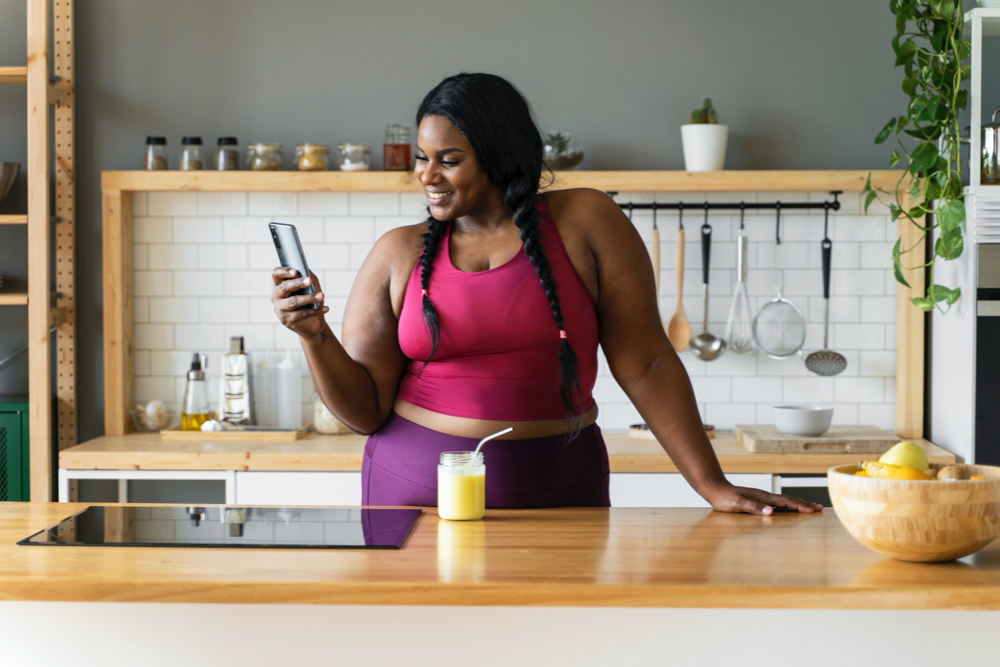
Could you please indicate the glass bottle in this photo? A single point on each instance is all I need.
(264, 156)
(312, 157)
(461, 486)
(195, 410)
(396, 152)
(227, 155)
(191, 154)
(156, 154)
(354, 156)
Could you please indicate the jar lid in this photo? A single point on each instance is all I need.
(156, 141)
(397, 134)
(359, 146)
(227, 141)
(264, 146)
(313, 147)
(191, 141)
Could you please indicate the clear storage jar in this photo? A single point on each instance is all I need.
(264, 157)
(396, 152)
(156, 154)
(354, 157)
(312, 157)
(461, 486)
(191, 154)
(227, 155)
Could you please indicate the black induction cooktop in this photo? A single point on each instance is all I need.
(230, 527)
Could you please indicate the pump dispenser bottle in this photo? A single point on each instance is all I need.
(195, 410)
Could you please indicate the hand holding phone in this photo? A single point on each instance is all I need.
(297, 296)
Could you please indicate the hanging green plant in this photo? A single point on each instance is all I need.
(930, 49)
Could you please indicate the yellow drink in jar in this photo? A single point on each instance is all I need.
(461, 486)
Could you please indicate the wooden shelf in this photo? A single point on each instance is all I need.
(13, 298)
(13, 74)
(400, 181)
(13, 219)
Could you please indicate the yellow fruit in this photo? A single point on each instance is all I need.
(906, 454)
(877, 469)
(861, 473)
(977, 477)
(907, 473)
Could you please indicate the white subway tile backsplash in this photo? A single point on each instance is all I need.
(606, 390)
(757, 390)
(860, 282)
(619, 416)
(882, 416)
(890, 390)
(247, 230)
(857, 228)
(173, 203)
(228, 309)
(273, 204)
(222, 203)
(152, 230)
(842, 256)
(323, 203)
(247, 283)
(726, 416)
(712, 390)
(859, 336)
(173, 310)
(140, 204)
(152, 283)
(878, 363)
(223, 256)
(140, 308)
(174, 256)
(201, 337)
(384, 224)
(197, 230)
(260, 256)
(732, 365)
(255, 336)
(845, 415)
(336, 304)
(842, 308)
(140, 363)
(261, 311)
(858, 390)
(350, 229)
(413, 205)
(198, 283)
(328, 256)
(154, 336)
(878, 309)
(768, 367)
(359, 252)
(807, 390)
(876, 255)
(149, 388)
(173, 363)
(374, 203)
(338, 283)
(140, 257)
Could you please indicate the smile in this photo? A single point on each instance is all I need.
(436, 197)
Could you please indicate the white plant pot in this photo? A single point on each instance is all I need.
(704, 146)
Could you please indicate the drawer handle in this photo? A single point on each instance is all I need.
(827, 447)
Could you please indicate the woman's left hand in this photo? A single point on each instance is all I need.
(729, 498)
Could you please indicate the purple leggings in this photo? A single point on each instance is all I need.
(401, 458)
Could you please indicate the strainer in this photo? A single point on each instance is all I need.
(779, 329)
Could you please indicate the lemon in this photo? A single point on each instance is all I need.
(861, 473)
(906, 472)
(906, 454)
(878, 469)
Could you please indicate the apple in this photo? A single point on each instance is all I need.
(906, 454)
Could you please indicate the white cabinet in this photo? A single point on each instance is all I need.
(670, 489)
(298, 488)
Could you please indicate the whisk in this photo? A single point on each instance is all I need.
(739, 331)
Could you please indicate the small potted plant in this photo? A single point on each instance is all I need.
(704, 140)
(561, 151)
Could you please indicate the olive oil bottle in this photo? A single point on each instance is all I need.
(195, 411)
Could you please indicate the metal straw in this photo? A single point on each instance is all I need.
(490, 437)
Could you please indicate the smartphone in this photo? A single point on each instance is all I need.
(290, 255)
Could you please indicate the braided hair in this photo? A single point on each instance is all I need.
(495, 118)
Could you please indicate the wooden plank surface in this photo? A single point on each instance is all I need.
(118, 318)
(13, 298)
(13, 219)
(846, 439)
(626, 557)
(147, 451)
(177, 434)
(401, 181)
(910, 322)
(13, 75)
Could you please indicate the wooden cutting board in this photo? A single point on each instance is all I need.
(765, 438)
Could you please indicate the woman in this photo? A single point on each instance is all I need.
(489, 314)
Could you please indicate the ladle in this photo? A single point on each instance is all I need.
(707, 346)
(490, 437)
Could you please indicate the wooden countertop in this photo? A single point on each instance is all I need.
(622, 557)
(144, 451)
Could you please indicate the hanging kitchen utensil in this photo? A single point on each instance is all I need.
(654, 252)
(707, 346)
(739, 330)
(826, 361)
(679, 327)
(779, 329)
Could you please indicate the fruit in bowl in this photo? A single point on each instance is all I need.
(918, 515)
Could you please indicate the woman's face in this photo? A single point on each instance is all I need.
(446, 165)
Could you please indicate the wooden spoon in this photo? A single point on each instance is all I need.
(679, 327)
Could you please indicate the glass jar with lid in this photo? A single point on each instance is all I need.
(461, 486)
(396, 152)
(312, 157)
(155, 158)
(354, 156)
(227, 155)
(264, 156)
(191, 154)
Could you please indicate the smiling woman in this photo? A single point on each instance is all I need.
(489, 315)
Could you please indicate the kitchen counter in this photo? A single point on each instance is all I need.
(586, 557)
(144, 451)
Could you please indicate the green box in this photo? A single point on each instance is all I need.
(14, 448)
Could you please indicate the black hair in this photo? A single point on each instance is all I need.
(496, 119)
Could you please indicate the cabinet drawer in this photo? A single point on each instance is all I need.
(298, 488)
(670, 489)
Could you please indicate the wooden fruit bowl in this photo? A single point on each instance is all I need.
(923, 521)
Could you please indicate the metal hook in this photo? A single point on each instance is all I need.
(826, 223)
(654, 215)
(743, 210)
(680, 215)
(777, 224)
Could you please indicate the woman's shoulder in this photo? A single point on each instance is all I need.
(585, 211)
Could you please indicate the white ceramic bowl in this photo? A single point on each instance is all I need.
(803, 420)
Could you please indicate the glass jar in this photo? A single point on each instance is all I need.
(396, 152)
(227, 155)
(561, 151)
(191, 154)
(264, 157)
(461, 486)
(312, 157)
(156, 154)
(324, 421)
(354, 157)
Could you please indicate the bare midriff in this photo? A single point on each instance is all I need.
(465, 427)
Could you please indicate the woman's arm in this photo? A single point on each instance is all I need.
(645, 364)
(356, 380)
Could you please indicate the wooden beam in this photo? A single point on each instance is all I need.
(910, 332)
(39, 351)
(13, 75)
(13, 298)
(13, 219)
(118, 318)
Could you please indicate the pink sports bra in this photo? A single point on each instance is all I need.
(498, 356)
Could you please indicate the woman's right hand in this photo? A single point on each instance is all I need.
(293, 311)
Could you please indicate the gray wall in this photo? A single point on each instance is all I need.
(803, 84)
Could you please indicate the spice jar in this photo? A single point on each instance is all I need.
(227, 155)
(324, 421)
(461, 486)
(156, 154)
(264, 157)
(312, 157)
(396, 153)
(354, 157)
(191, 154)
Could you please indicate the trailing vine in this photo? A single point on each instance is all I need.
(930, 49)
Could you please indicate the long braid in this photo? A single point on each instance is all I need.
(432, 241)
